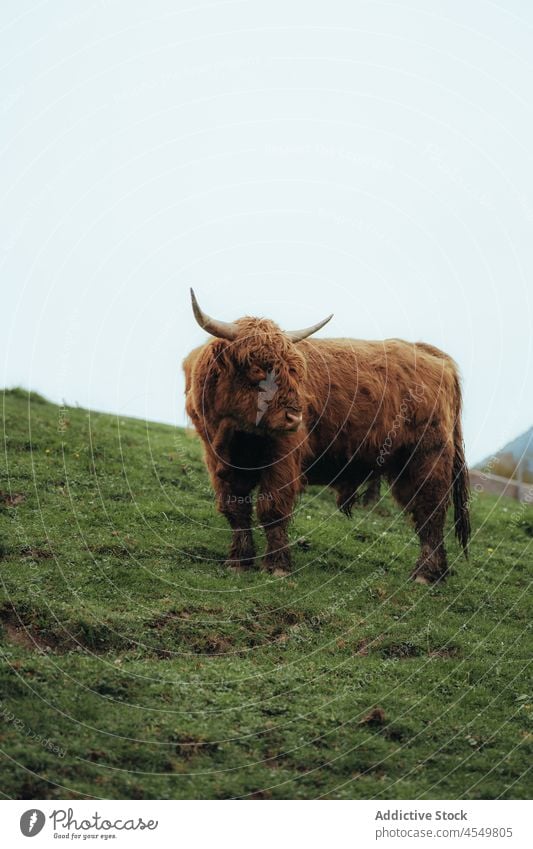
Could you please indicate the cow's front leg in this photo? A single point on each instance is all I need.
(275, 501)
(234, 500)
(233, 494)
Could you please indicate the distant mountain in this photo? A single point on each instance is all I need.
(505, 461)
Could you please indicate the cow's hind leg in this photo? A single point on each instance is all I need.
(372, 492)
(423, 490)
(346, 497)
(348, 489)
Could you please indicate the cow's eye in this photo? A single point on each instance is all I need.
(256, 374)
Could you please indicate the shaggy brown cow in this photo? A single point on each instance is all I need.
(275, 412)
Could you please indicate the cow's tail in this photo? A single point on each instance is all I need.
(460, 487)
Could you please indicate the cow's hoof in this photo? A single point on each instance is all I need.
(428, 573)
(279, 569)
(421, 579)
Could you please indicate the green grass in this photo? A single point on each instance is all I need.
(135, 665)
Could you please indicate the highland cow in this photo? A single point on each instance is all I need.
(277, 411)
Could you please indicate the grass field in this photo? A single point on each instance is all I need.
(135, 665)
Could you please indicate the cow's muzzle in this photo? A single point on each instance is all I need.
(293, 420)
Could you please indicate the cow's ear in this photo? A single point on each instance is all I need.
(218, 359)
(213, 362)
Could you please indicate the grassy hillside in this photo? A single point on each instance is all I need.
(136, 665)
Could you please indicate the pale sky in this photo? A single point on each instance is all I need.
(287, 159)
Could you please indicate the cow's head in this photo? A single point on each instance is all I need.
(260, 371)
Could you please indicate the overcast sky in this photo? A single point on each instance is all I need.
(287, 159)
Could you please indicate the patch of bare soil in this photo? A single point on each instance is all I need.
(27, 629)
(36, 553)
(375, 717)
(11, 499)
(202, 631)
(189, 745)
(19, 634)
(401, 651)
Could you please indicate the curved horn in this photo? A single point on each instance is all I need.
(298, 335)
(221, 329)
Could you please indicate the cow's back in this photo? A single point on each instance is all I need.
(362, 393)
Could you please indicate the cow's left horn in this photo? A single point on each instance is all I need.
(298, 335)
(221, 329)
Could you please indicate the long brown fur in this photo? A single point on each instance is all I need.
(387, 409)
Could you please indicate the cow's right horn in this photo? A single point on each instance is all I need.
(221, 329)
(298, 335)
